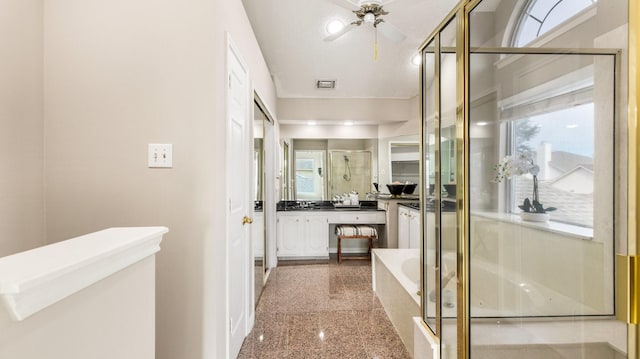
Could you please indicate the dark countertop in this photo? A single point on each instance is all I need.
(323, 206)
(402, 197)
(412, 205)
(447, 206)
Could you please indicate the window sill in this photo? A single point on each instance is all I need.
(575, 232)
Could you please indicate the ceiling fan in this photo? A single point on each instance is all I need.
(370, 12)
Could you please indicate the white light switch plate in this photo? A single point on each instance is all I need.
(160, 155)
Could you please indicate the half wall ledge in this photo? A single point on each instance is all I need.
(35, 279)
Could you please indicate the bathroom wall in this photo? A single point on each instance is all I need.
(328, 131)
(21, 131)
(118, 76)
(352, 109)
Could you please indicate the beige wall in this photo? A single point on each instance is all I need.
(366, 110)
(409, 127)
(21, 132)
(118, 76)
(328, 131)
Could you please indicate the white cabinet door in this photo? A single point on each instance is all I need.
(403, 227)
(316, 236)
(414, 229)
(290, 236)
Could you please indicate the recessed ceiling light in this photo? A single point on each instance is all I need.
(326, 84)
(573, 125)
(311, 123)
(348, 123)
(482, 123)
(416, 60)
(334, 26)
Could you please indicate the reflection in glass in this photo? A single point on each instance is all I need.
(429, 241)
(258, 225)
(310, 174)
(447, 220)
(405, 164)
(323, 168)
(350, 171)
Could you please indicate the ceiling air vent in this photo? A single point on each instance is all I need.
(326, 84)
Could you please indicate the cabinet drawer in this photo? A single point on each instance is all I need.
(360, 217)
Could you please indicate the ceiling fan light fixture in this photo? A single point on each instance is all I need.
(369, 18)
(334, 26)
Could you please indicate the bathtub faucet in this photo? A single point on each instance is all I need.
(447, 278)
(448, 298)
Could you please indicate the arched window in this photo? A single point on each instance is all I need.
(540, 16)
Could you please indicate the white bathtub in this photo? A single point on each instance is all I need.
(496, 293)
(499, 293)
(396, 284)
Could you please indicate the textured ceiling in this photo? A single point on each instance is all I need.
(291, 33)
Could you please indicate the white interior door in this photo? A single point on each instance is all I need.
(239, 161)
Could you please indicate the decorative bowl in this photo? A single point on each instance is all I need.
(395, 189)
(409, 188)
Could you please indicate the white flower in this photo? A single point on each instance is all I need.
(519, 164)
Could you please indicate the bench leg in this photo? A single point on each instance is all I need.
(339, 249)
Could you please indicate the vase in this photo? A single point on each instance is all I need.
(534, 217)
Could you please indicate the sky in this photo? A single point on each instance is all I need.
(570, 130)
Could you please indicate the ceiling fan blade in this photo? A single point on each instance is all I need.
(391, 32)
(344, 30)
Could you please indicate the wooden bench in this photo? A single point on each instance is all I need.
(358, 232)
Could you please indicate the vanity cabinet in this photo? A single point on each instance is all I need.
(302, 235)
(316, 237)
(408, 227)
(391, 207)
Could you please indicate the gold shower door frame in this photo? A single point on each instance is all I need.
(627, 266)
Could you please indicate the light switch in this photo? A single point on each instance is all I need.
(160, 155)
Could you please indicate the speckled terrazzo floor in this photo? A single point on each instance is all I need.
(322, 311)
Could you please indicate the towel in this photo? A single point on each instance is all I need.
(356, 230)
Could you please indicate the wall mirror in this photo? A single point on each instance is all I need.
(319, 169)
(262, 126)
(398, 159)
(404, 161)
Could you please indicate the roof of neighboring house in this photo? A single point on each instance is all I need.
(567, 161)
(571, 172)
(574, 208)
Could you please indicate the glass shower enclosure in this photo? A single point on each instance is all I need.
(521, 180)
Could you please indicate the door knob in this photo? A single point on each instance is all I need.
(246, 220)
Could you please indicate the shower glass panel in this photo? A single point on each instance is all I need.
(350, 171)
(541, 178)
(448, 216)
(430, 242)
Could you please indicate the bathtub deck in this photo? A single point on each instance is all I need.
(489, 336)
(392, 288)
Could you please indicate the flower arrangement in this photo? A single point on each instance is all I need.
(520, 164)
